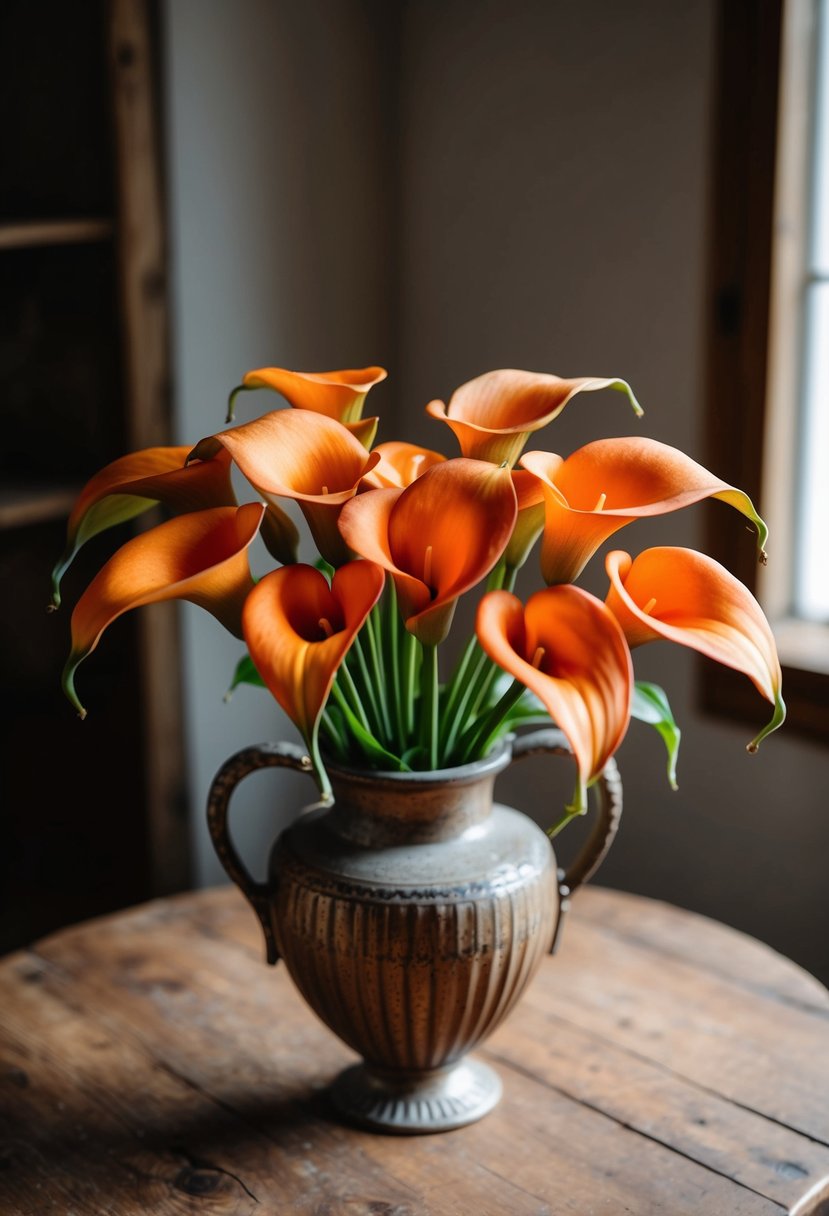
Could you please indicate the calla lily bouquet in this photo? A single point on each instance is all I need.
(350, 647)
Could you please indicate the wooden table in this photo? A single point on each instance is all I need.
(151, 1063)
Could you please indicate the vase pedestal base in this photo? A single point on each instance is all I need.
(413, 1103)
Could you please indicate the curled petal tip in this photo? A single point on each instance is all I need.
(777, 719)
(231, 401)
(686, 597)
(68, 684)
(637, 408)
(54, 604)
(621, 386)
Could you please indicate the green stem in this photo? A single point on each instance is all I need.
(508, 579)
(392, 652)
(562, 823)
(350, 688)
(485, 687)
(320, 775)
(469, 689)
(410, 654)
(495, 581)
(429, 704)
(479, 738)
(395, 676)
(378, 668)
(463, 712)
(334, 736)
(454, 689)
(370, 690)
(487, 680)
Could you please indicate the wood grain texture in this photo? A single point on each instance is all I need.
(151, 1063)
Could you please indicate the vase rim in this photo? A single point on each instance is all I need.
(458, 774)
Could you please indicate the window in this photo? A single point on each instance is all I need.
(805, 100)
(768, 349)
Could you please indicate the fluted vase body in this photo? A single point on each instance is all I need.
(411, 914)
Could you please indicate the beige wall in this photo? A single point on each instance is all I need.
(279, 255)
(544, 170)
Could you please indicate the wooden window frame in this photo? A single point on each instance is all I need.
(744, 298)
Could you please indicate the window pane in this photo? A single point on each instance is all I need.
(820, 197)
(812, 580)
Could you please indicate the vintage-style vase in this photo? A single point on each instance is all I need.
(411, 914)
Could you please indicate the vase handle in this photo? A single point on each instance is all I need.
(260, 755)
(609, 812)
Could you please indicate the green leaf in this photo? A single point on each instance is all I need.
(245, 673)
(369, 745)
(650, 704)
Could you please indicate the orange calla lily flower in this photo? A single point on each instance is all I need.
(437, 538)
(399, 465)
(365, 430)
(338, 395)
(301, 455)
(131, 485)
(494, 414)
(200, 557)
(568, 648)
(610, 483)
(530, 521)
(299, 630)
(280, 534)
(686, 597)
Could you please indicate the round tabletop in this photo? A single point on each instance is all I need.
(151, 1063)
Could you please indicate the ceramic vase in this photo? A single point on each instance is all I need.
(411, 914)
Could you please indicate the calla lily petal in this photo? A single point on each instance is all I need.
(567, 648)
(133, 484)
(494, 414)
(686, 597)
(400, 464)
(610, 483)
(339, 395)
(280, 534)
(301, 455)
(364, 524)
(530, 521)
(299, 630)
(437, 538)
(364, 431)
(200, 557)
